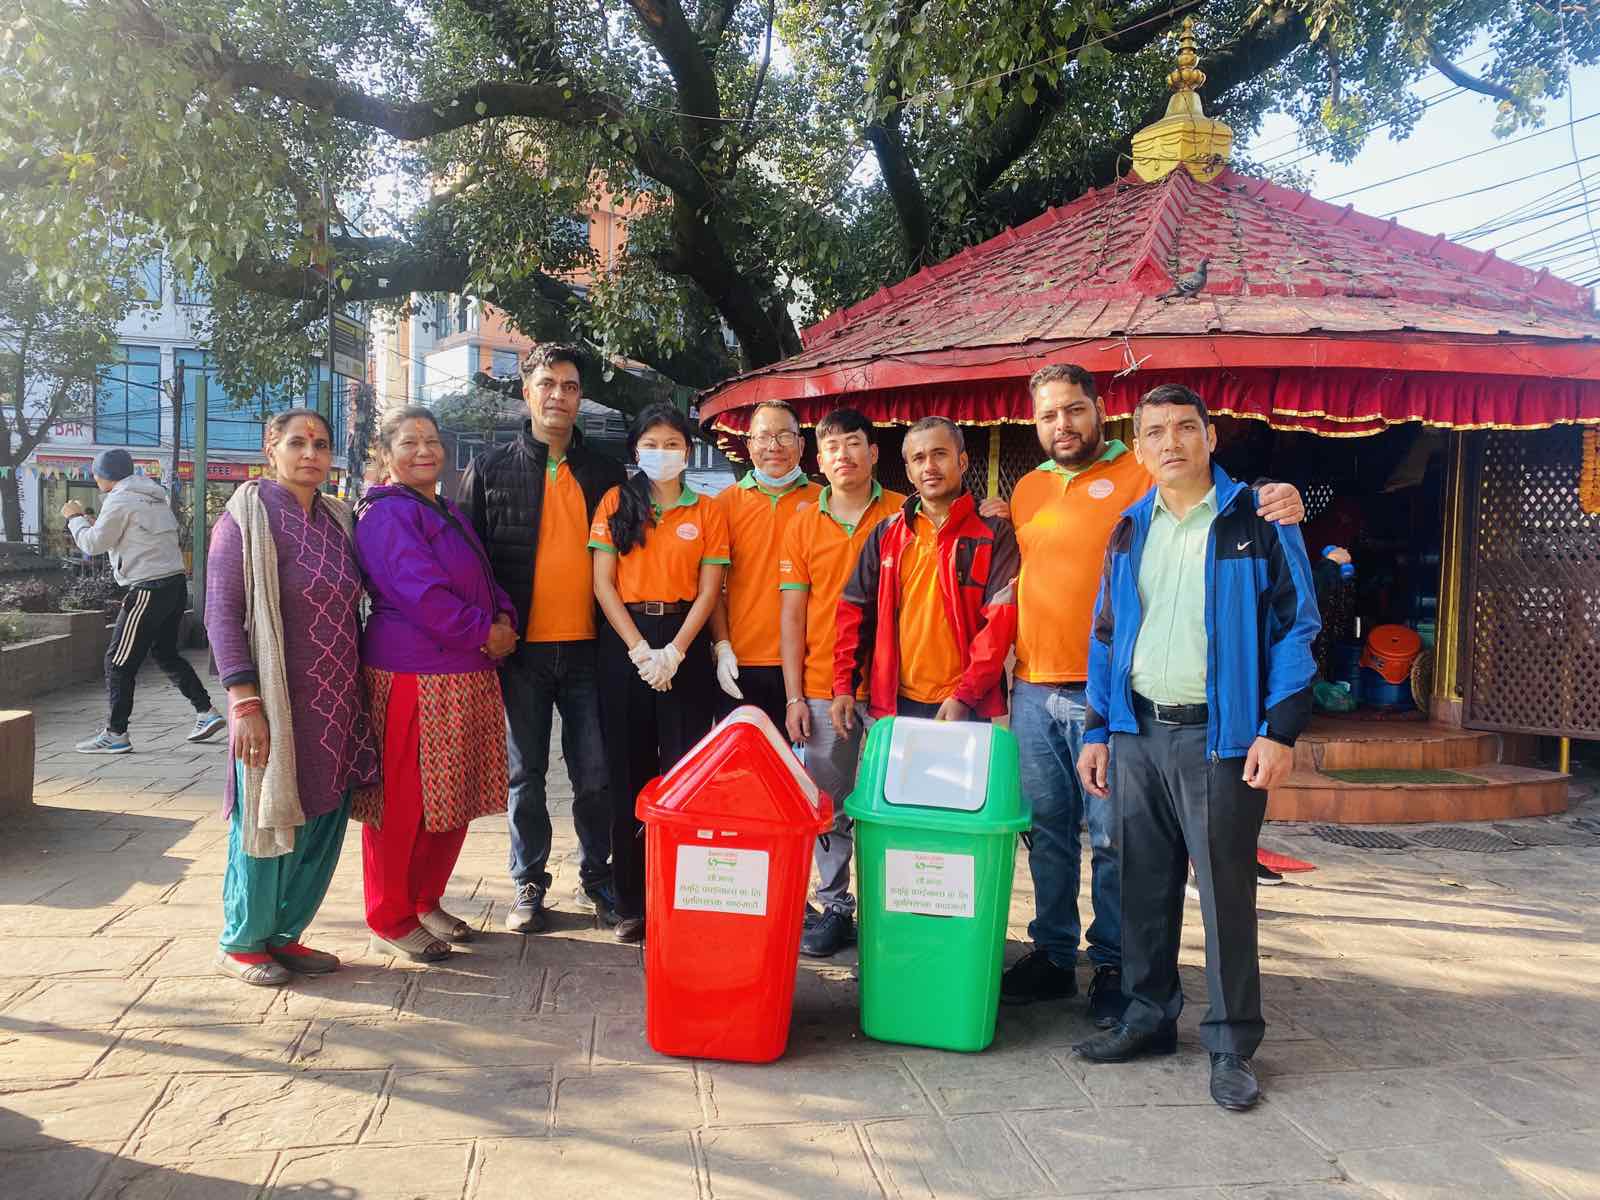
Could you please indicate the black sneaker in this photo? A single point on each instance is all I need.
(527, 915)
(598, 899)
(629, 930)
(813, 915)
(1034, 977)
(1106, 1001)
(829, 934)
(1266, 876)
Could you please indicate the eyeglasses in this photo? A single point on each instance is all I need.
(766, 441)
(568, 389)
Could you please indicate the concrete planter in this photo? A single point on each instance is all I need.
(59, 649)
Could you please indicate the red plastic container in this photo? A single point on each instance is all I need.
(728, 844)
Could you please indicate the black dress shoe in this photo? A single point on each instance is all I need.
(1034, 977)
(1122, 1044)
(1106, 1001)
(1233, 1083)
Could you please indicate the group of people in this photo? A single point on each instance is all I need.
(1161, 615)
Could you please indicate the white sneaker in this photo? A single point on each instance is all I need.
(207, 725)
(105, 742)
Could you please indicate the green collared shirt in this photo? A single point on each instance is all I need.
(1169, 656)
(552, 464)
(1114, 450)
(686, 496)
(848, 526)
(751, 484)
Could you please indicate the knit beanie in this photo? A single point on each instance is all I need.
(112, 465)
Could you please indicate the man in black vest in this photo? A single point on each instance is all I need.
(531, 502)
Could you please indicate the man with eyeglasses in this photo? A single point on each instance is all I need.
(532, 501)
(745, 626)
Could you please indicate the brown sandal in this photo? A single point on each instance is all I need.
(419, 946)
(445, 927)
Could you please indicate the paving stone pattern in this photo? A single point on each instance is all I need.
(1432, 1033)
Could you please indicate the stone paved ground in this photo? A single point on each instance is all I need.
(1433, 1034)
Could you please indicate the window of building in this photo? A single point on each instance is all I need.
(128, 401)
(232, 423)
(195, 292)
(504, 363)
(464, 322)
(144, 281)
(441, 316)
(466, 448)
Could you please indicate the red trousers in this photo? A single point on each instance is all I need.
(404, 867)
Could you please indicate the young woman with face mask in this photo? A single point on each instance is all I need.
(659, 552)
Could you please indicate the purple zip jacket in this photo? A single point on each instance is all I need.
(433, 596)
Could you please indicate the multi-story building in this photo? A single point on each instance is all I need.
(133, 408)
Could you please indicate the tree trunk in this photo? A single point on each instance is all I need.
(11, 505)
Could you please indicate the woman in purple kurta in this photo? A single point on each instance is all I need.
(439, 626)
(269, 899)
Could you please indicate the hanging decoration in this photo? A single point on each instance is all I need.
(1589, 472)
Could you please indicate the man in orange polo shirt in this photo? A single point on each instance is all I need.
(531, 502)
(819, 552)
(1063, 513)
(759, 508)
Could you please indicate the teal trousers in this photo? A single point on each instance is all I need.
(270, 901)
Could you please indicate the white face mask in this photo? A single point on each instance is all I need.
(661, 465)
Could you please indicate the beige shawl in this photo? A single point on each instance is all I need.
(269, 802)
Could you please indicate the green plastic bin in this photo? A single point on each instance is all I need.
(937, 806)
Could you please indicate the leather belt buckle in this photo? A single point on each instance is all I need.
(655, 608)
(1157, 707)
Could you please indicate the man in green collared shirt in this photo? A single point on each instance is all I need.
(1169, 659)
(820, 550)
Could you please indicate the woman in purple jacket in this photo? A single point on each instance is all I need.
(439, 627)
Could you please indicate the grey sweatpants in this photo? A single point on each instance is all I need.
(831, 761)
(1174, 805)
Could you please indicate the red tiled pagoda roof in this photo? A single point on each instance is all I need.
(1294, 282)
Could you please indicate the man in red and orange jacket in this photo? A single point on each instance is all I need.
(930, 611)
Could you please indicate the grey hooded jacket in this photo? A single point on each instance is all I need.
(136, 528)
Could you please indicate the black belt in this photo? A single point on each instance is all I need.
(659, 608)
(164, 581)
(1169, 714)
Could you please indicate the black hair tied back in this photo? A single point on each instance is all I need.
(634, 515)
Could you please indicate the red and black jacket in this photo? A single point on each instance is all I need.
(978, 565)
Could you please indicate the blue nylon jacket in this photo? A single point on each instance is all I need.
(1261, 618)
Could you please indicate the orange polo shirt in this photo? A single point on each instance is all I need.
(757, 522)
(690, 534)
(561, 612)
(1063, 521)
(930, 660)
(819, 552)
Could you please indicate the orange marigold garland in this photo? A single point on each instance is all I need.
(1589, 473)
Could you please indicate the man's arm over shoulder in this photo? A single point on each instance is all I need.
(1292, 625)
(997, 620)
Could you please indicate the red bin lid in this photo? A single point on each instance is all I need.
(741, 775)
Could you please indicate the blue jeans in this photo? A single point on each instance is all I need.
(1047, 720)
(535, 680)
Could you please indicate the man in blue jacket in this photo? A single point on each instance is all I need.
(1200, 675)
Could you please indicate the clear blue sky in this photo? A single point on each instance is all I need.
(1463, 124)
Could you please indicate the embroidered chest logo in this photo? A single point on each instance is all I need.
(688, 531)
(1243, 545)
(1101, 488)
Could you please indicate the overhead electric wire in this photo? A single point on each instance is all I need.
(1528, 210)
(1394, 212)
(1572, 138)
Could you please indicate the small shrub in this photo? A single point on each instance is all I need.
(10, 630)
(31, 596)
(90, 593)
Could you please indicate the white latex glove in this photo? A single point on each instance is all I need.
(640, 653)
(727, 668)
(649, 664)
(668, 659)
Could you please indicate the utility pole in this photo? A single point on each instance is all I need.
(177, 435)
(197, 560)
(325, 400)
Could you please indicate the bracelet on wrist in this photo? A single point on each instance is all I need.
(793, 700)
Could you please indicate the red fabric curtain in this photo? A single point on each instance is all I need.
(1334, 402)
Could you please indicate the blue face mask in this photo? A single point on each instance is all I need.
(661, 465)
(777, 481)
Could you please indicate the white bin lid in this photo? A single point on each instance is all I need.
(938, 764)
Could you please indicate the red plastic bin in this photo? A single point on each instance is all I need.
(728, 845)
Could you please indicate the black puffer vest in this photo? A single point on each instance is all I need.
(502, 493)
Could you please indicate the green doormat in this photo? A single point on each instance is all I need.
(1400, 775)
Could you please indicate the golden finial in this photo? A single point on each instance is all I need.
(1185, 137)
(1188, 77)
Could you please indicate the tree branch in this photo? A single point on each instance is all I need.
(761, 71)
(1018, 125)
(1471, 82)
(668, 30)
(885, 133)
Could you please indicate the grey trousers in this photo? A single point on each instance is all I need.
(1174, 806)
(831, 761)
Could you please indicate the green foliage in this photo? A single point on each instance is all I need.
(883, 135)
